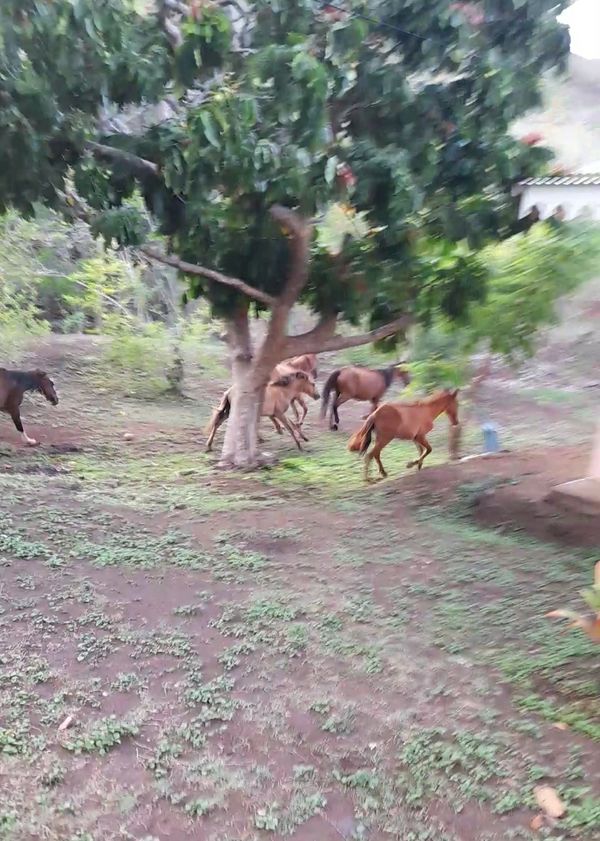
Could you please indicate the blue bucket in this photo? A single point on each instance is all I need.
(491, 441)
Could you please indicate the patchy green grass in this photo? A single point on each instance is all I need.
(283, 655)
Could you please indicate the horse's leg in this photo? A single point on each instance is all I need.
(277, 425)
(16, 416)
(290, 428)
(215, 425)
(377, 457)
(294, 405)
(298, 427)
(339, 399)
(420, 452)
(382, 441)
(302, 403)
(426, 450)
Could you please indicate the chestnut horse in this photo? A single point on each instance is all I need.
(13, 385)
(307, 363)
(357, 383)
(278, 397)
(406, 421)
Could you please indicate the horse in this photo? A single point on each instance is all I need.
(277, 399)
(13, 385)
(357, 383)
(406, 421)
(307, 363)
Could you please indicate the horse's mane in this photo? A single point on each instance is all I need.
(387, 374)
(427, 401)
(28, 380)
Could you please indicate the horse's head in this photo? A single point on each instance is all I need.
(307, 363)
(451, 405)
(46, 387)
(402, 373)
(306, 385)
(312, 362)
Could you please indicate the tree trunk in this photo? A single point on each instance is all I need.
(240, 446)
(175, 371)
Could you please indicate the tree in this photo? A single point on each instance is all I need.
(241, 124)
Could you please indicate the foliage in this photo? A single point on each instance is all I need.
(67, 277)
(102, 736)
(527, 273)
(291, 106)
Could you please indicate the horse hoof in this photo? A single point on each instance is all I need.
(334, 427)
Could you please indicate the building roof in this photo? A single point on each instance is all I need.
(577, 180)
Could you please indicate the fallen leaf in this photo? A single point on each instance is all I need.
(561, 725)
(537, 823)
(66, 723)
(549, 801)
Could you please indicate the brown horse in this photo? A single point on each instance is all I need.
(278, 397)
(357, 383)
(13, 385)
(307, 363)
(406, 421)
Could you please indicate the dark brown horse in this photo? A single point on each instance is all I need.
(406, 421)
(357, 383)
(13, 385)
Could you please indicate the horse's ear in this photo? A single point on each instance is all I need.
(455, 392)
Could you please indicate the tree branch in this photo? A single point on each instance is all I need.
(321, 332)
(138, 166)
(170, 28)
(310, 343)
(301, 231)
(210, 274)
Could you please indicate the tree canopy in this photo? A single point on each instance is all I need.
(233, 129)
(217, 111)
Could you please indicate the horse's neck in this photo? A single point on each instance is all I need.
(438, 407)
(388, 375)
(24, 380)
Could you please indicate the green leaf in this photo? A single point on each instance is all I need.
(210, 130)
(330, 169)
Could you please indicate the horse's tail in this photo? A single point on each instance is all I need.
(220, 414)
(360, 441)
(327, 389)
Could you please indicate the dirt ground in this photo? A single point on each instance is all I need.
(188, 654)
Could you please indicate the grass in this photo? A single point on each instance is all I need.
(287, 654)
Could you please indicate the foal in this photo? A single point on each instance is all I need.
(357, 383)
(307, 363)
(406, 421)
(278, 397)
(13, 385)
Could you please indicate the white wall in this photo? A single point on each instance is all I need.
(573, 199)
